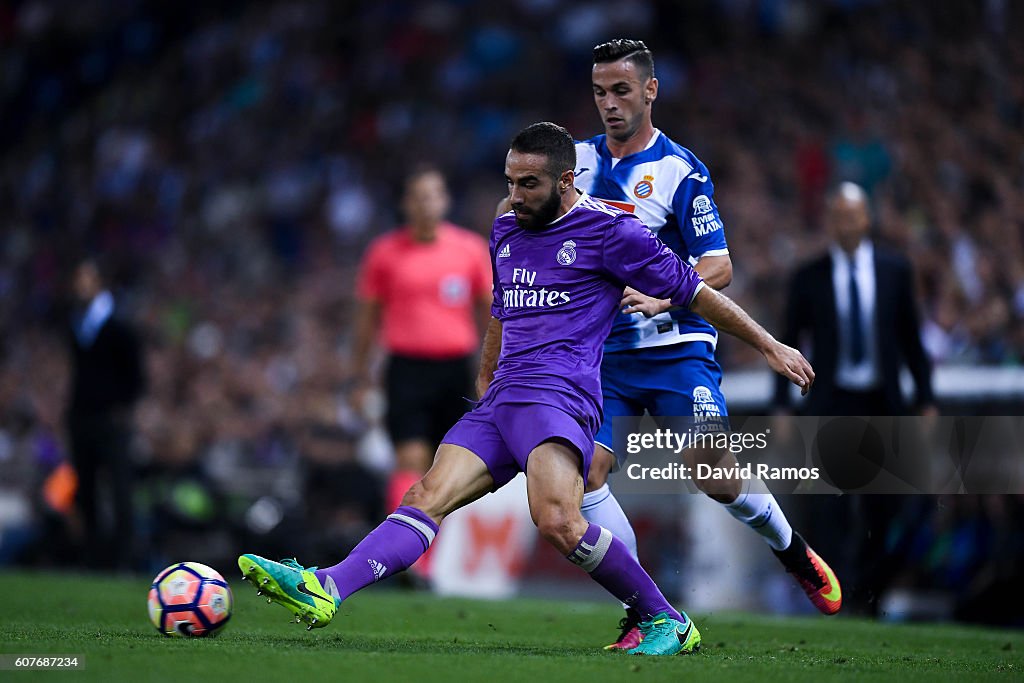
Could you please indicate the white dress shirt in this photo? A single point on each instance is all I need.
(865, 375)
(96, 315)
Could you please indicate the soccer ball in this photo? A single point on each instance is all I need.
(189, 599)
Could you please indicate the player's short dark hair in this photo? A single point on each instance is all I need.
(631, 50)
(552, 141)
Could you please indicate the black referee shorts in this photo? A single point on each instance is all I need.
(426, 397)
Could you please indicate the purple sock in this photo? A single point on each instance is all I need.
(609, 562)
(393, 546)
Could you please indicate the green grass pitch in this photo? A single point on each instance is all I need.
(390, 637)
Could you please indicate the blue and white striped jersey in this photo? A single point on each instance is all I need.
(670, 190)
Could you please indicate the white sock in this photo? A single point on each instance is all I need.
(761, 512)
(600, 508)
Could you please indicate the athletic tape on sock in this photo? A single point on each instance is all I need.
(416, 524)
(587, 556)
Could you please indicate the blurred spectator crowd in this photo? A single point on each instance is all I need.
(231, 164)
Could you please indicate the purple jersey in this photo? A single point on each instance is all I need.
(557, 292)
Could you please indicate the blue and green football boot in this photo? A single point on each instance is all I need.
(663, 635)
(292, 586)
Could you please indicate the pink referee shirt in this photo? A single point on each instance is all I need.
(428, 291)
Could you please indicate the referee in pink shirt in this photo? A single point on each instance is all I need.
(424, 291)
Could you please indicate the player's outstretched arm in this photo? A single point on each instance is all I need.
(715, 271)
(724, 314)
(489, 357)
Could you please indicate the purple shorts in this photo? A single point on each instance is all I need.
(502, 431)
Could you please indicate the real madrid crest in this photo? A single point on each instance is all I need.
(567, 254)
(644, 188)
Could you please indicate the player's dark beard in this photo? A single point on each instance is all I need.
(545, 213)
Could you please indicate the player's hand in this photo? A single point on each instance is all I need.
(635, 302)
(792, 365)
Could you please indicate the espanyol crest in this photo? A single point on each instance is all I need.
(701, 205)
(702, 395)
(567, 254)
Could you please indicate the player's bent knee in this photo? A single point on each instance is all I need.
(424, 499)
(723, 491)
(560, 527)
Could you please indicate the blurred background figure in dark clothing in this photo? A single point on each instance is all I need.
(107, 379)
(855, 309)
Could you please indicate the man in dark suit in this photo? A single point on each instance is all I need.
(107, 379)
(853, 311)
(855, 306)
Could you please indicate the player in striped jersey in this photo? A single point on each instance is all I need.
(658, 358)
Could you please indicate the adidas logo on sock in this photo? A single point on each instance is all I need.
(505, 252)
(378, 569)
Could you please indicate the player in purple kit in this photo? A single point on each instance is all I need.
(560, 260)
